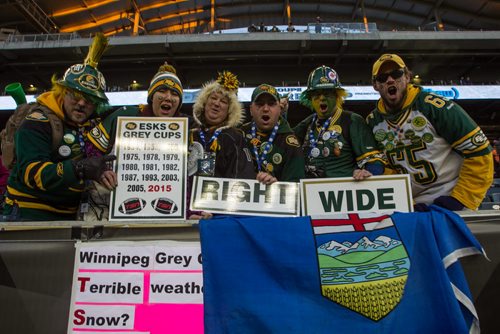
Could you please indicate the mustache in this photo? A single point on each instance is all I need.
(80, 110)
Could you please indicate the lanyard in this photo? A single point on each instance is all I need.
(81, 141)
(214, 137)
(261, 159)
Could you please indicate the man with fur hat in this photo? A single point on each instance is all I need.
(47, 184)
(217, 147)
(277, 154)
(164, 100)
(431, 138)
(336, 142)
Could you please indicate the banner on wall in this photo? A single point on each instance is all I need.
(137, 287)
(355, 93)
(151, 168)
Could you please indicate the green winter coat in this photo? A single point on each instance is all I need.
(43, 183)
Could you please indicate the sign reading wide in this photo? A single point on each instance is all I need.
(381, 194)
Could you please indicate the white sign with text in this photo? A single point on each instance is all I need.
(150, 287)
(380, 194)
(245, 197)
(151, 167)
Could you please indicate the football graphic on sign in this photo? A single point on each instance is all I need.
(132, 205)
(164, 205)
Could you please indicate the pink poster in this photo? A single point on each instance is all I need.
(151, 287)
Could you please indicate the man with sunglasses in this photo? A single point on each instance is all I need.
(431, 138)
(336, 142)
(46, 182)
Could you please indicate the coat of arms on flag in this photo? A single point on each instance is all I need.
(363, 263)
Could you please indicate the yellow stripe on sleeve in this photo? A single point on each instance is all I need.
(38, 175)
(464, 138)
(27, 173)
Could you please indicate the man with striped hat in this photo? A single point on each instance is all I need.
(164, 100)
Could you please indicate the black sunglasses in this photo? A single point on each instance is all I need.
(396, 74)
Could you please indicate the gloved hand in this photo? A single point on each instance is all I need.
(93, 167)
(420, 207)
(449, 203)
(375, 168)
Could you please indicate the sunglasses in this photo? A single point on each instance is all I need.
(76, 96)
(396, 74)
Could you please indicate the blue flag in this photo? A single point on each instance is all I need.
(396, 274)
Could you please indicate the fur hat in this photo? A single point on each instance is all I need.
(166, 77)
(227, 84)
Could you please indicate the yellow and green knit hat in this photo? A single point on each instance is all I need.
(166, 77)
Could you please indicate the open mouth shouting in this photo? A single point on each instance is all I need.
(323, 107)
(392, 91)
(166, 108)
(265, 119)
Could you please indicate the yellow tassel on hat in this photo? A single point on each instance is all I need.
(97, 48)
(167, 68)
(228, 80)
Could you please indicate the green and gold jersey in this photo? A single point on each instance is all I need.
(43, 182)
(429, 140)
(103, 135)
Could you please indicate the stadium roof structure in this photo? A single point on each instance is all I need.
(128, 17)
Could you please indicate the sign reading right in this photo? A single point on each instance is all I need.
(379, 194)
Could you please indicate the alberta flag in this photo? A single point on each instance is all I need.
(392, 274)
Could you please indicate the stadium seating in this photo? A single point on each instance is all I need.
(492, 199)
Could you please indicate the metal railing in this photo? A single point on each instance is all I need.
(334, 28)
(15, 38)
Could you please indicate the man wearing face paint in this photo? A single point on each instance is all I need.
(276, 151)
(336, 142)
(47, 184)
(431, 138)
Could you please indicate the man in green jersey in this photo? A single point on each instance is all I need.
(47, 182)
(431, 138)
(276, 151)
(336, 142)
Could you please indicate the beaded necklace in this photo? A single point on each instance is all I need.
(214, 137)
(261, 159)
